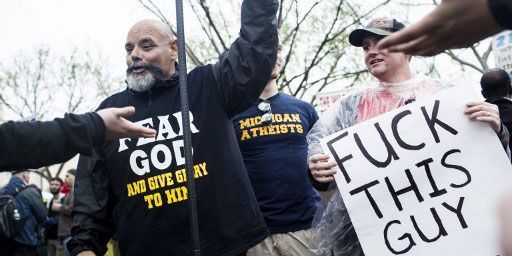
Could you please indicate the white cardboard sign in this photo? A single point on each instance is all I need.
(423, 179)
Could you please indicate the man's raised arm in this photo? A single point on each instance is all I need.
(243, 71)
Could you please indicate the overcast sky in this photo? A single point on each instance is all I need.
(65, 24)
(89, 24)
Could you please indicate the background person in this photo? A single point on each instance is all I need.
(51, 225)
(31, 209)
(274, 150)
(497, 89)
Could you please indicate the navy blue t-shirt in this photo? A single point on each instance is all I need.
(275, 156)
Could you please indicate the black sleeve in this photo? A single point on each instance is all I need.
(243, 71)
(502, 12)
(36, 144)
(92, 207)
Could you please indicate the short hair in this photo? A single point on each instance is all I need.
(58, 180)
(72, 172)
(495, 83)
(19, 171)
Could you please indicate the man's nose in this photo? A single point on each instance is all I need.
(136, 54)
(373, 50)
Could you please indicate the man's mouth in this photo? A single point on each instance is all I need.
(376, 61)
(138, 70)
(141, 69)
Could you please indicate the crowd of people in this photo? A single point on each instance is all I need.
(264, 185)
(45, 226)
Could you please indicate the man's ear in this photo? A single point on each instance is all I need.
(173, 45)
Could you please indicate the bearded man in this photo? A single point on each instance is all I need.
(137, 187)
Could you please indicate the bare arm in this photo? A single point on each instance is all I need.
(453, 24)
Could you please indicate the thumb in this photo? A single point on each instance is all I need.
(125, 112)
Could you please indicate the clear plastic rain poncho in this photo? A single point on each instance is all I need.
(333, 229)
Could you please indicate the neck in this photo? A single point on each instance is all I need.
(270, 90)
(56, 196)
(401, 75)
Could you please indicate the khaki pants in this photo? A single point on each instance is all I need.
(55, 248)
(298, 243)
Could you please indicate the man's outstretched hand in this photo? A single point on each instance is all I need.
(118, 127)
(453, 24)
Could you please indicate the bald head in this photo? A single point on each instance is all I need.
(496, 83)
(151, 52)
(161, 30)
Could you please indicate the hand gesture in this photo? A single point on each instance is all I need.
(118, 127)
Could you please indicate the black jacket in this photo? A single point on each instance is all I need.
(505, 107)
(136, 188)
(31, 209)
(36, 144)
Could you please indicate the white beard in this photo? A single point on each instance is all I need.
(140, 83)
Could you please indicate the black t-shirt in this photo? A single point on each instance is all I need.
(275, 156)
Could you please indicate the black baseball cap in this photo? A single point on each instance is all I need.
(380, 26)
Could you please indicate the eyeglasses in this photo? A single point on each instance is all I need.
(266, 118)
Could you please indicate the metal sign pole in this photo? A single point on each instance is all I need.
(187, 137)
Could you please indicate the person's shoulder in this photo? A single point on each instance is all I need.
(29, 192)
(111, 100)
(201, 70)
(294, 100)
(118, 95)
(504, 104)
(251, 110)
(32, 189)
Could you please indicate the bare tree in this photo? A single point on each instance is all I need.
(313, 35)
(40, 86)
